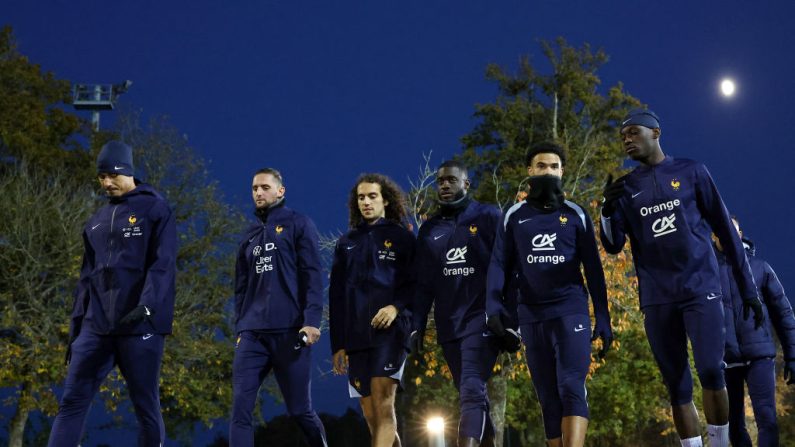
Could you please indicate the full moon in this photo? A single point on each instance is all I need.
(727, 87)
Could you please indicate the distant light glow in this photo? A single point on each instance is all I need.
(436, 425)
(727, 88)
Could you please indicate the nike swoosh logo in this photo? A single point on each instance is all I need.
(350, 247)
(95, 226)
(521, 221)
(297, 346)
(437, 237)
(389, 369)
(118, 167)
(147, 336)
(579, 329)
(486, 334)
(712, 296)
(637, 194)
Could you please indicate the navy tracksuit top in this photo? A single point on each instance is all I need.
(669, 212)
(546, 249)
(743, 341)
(278, 276)
(372, 268)
(129, 260)
(453, 256)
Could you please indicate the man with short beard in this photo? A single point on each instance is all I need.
(543, 241)
(278, 306)
(668, 207)
(453, 252)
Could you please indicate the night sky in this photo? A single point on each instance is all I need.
(326, 90)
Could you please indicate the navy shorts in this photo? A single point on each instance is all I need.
(558, 357)
(386, 360)
(668, 327)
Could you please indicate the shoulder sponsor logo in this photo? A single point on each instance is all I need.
(544, 242)
(436, 238)
(664, 225)
(257, 250)
(147, 336)
(579, 328)
(521, 221)
(637, 194)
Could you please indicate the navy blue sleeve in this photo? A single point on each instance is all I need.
(336, 300)
(714, 211)
(423, 299)
(241, 279)
(779, 310)
(81, 294)
(612, 232)
(405, 280)
(310, 279)
(159, 288)
(594, 274)
(500, 272)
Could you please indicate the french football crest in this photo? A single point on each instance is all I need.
(675, 184)
(132, 219)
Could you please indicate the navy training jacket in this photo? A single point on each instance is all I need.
(372, 268)
(278, 282)
(546, 249)
(743, 341)
(129, 260)
(453, 257)
(669, 211)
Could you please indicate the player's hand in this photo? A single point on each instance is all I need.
(136, 315)
(339, 362)
(416, 343)
(612, 192)
(755, 305)
(308, 335)
(511, 341)
(603, 331)
(384, 318)
(495, 325)
(789, 372)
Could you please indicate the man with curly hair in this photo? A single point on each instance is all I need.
(370, 297)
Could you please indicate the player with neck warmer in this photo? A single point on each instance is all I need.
(668, 207)
(453, 252)
(546, 239)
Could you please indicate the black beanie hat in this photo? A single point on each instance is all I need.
(115, 157)
(641, 117)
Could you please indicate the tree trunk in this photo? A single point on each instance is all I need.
(498, 394)
(16, 431)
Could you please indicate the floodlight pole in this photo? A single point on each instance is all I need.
(97, 97)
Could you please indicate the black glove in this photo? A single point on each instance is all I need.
(134, 316)
(789, 372)
(511, 341)
(494, 324)
(611, 193)
(603, 331)
(756, 305)
(416, 343)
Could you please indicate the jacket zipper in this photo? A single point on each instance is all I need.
(107, 265)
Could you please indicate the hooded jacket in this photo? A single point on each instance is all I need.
(129, 260)
(278, 275)
(372, 268)
(743, 341)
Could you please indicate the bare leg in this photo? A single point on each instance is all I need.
(574, 428)
(686, 420)
(383, 391)
(716, 406)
